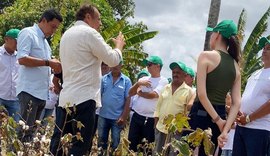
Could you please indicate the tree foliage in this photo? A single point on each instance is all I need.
(122, 7)
(24, 13)
(5, 3)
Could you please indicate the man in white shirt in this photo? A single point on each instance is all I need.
(253, 129)
(9, 74)
(82, 49)
(148, 89)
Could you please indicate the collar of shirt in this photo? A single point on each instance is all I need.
(183, 85)
(80, 22)
(39, 31)
(4, 51)
(111, 77)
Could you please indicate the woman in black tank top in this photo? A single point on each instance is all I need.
(217, 73)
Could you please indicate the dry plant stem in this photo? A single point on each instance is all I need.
(166, 142)
(59, 145)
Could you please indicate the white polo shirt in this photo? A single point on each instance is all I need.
(146, 107)
(82, 49)
(8, 74)
(256, 93)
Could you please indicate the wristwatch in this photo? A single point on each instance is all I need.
(247, 119)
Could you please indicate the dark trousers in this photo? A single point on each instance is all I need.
(94, 131)
(31, 109)
(85, 113)
(250, 142)
(199, 118)
(140, 127)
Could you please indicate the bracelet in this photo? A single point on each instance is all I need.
(216, 119)
(47, 63)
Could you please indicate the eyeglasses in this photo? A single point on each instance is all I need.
(149, 64)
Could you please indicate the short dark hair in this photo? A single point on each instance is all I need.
(84, 9)
(50, 14)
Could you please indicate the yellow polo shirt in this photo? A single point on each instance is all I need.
(169, 103)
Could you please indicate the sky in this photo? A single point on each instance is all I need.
(181, 25)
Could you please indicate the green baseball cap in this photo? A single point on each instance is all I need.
(179, 64)
(263, 41)
(190, 71)
(153, 59)
(143, 72)
(226, 28)
(13, 33)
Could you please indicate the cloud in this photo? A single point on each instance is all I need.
(181, 25)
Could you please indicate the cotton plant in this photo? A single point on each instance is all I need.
(40, 144)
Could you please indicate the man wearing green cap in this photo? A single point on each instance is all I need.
(189, 81)
(190, 76)
(253, 129)
(217, 73)
(133, 99)
(173, 99)
(148, 90)
(9, 74)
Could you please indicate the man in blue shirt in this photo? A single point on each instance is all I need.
(115, 106)
(34, 57)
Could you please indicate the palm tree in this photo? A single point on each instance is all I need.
(212, 20)
(133, 54)
(250, 60)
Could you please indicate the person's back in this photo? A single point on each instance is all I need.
(220, 80)
(217, 73)
(82, 49)
(78, 78)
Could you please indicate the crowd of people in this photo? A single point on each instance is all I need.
(90, 82)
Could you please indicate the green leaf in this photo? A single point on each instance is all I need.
(241, 25)
(113, 31)
(168, 120)
(196, 137)
(140, 38)
(209, 146)
(181, 146)
(181, 121)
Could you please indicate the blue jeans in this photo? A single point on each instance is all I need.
(13, 108)
(226, 152)
(44, 115)
(250, 142)
(104, 126)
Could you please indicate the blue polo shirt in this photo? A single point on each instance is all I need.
(33, 80)
(113, 96)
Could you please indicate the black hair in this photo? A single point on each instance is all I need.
(234, 47)
(51, 14)
(86, 8)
